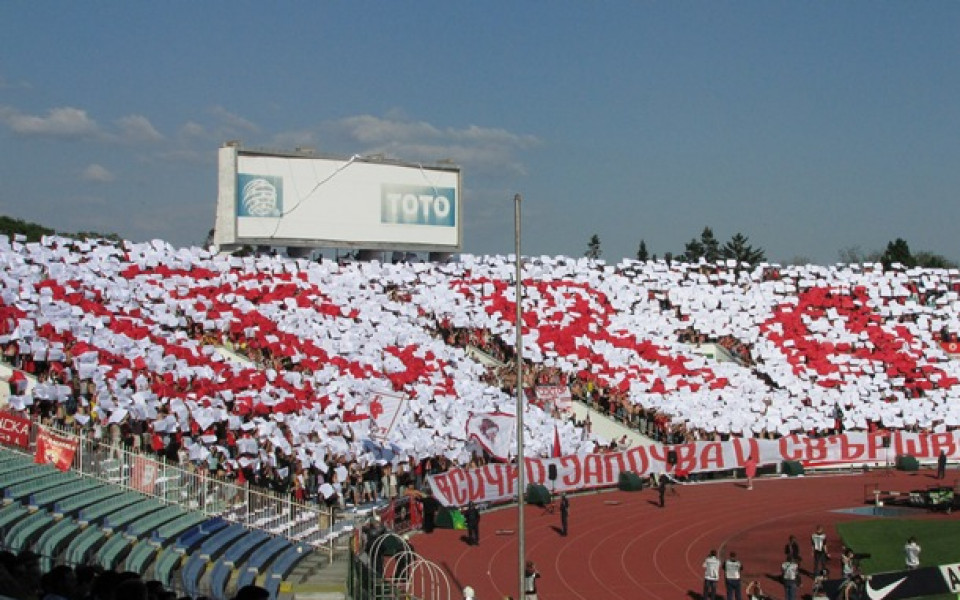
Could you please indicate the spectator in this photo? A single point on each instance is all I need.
(59, 583)
(252, 592)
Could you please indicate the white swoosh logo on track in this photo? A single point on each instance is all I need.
(882, 592)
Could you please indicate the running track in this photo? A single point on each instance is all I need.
(622, 545)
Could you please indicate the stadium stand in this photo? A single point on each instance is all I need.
(21, 534)
(47, 498)
(210, 549)
(279, 392)
(232, 559)
(283, 566)
(259, 559)
(54, 539)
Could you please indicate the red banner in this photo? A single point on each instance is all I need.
(14, 430)
(145, 474)
(950, 347)
(55, 450)
(555, 395)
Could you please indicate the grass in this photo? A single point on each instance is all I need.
(884, 538)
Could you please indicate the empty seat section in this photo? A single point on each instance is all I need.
(96, 513)
(259, 559)
(167, 560)
(9, 516)
(233, 557)
(116, 521)
(283, 566)
(210, 549)
(21, 535)
(81, 548)
(74, 504)
(54, 539)
(47, 498)
(45, 481)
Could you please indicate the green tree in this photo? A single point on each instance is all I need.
(929, 260)
(707, 247)
(593, 247)
(642, 254)
(898, 251)
(692, 251)
(711, 247)
(32, 231)
(854, 255)
(739, 250)
(93, 235)
(799, 259)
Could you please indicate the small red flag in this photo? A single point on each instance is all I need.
(556, 452)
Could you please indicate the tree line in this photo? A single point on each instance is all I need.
(739, 249)
(33, 232)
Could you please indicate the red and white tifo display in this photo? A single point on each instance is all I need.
(318, 360)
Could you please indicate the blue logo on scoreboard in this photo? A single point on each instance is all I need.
(259, 195)
(418, 205)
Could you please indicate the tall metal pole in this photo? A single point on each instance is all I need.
(521, 467)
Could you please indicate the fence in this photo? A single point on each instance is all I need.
(319, 526)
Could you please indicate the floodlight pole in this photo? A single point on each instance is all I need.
(521, 467)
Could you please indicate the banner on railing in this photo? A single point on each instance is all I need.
(497, 482)
(145, 473)
(54, 449)
(14, 430)
(402, 514)
(555, 395)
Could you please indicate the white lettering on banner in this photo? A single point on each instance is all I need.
(494, 482)
(555, 395)
(14, 430)
(11, 426)
(413, 205)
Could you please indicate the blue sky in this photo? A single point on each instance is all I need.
(810, 127)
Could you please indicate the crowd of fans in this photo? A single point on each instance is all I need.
(264, 368)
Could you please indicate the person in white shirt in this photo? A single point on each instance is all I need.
(819, 542)
(732, 569)
(711, 574)
(911, 553)
(530, 576)
(791, 577)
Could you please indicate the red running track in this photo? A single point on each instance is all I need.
(622, 545)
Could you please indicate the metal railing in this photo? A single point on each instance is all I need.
(322, 527)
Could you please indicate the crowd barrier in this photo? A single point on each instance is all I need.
(319, 526)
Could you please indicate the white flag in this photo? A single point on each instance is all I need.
(496, 432)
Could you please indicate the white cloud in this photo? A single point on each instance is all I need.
(294, 139)
(97, 174)
(66, 122)
(482, 149)
(503, 137)
(374, 130)
(234, 121)
(137, 128)
(191, 129)
(190, 156)
(13, 85)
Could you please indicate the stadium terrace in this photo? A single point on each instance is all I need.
(299, 366)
